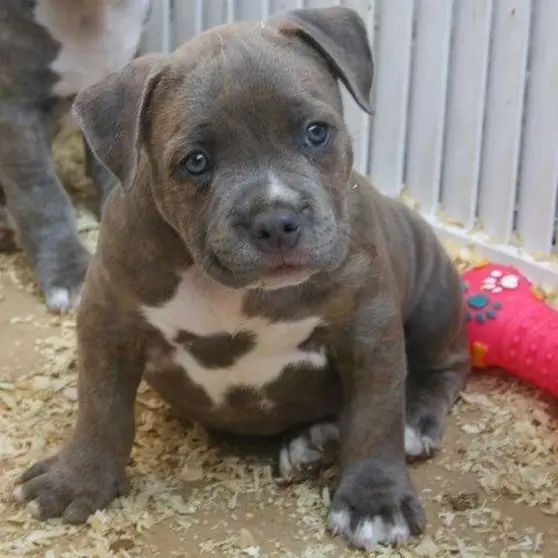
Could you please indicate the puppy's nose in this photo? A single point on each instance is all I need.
(275, 231)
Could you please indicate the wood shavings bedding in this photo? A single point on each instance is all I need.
(492, 491)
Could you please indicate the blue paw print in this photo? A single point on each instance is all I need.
(480, 308)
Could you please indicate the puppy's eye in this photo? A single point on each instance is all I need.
(317, 134)
(196, 163)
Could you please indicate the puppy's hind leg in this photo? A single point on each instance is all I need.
(308, 450)
(432, 389)
(438, 358)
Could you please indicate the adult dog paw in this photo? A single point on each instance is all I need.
(375, 505)
(60, 272)
(73, 485)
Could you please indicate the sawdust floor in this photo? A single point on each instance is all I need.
(492, 491)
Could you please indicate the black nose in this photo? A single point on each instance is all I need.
(275, 231)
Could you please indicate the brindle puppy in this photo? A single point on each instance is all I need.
(254, 279)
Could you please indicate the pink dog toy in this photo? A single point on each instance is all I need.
(510, 325)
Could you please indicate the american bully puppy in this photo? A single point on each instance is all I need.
(254, 279)
(49, 50)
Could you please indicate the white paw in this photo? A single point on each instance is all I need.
(296, 455)
(18, 495)
(32, 507)
(369, 533)
(61, 300)
(417, 444)
(308, 450)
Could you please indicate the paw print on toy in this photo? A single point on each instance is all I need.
(497, 281)
(479, 306)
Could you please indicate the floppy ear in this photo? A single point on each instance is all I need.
(340, 35)
(111, 115)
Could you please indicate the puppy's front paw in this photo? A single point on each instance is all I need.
(73, 486)
(375, 505)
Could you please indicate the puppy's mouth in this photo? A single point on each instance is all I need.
(284, 269)
(286, 261)
(272, 273)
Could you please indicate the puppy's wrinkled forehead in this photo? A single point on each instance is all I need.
(231, 77)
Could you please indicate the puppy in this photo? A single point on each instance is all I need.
(254, 279)
(49, 50)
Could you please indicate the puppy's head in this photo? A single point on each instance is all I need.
(242, 132)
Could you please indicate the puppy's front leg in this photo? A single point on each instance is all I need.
(89, 472)
(375, 502)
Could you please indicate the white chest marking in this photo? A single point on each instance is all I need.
(205, 308)
(89, 54)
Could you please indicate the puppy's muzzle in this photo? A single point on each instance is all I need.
(275, 231)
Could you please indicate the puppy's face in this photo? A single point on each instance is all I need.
(249, 154)
(251, 160)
